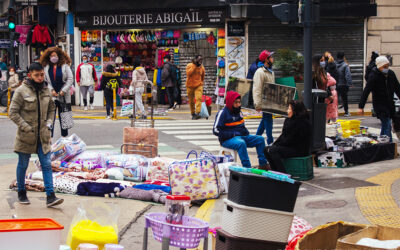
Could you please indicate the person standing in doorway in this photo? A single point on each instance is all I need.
(60, 78)
(383, 83)
(32, 109)
(195, 73)
(168, 79)
(264, 74)
(86, 78)
(344, 81)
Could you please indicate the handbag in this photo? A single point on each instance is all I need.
(67, 122)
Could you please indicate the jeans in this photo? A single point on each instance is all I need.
(195, 94)
(64, 132)
(266, 124)
(108, 95)
(45, 162)
(342, 91)
(386, 127)
(241, 143)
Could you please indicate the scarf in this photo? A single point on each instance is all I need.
(57, 81)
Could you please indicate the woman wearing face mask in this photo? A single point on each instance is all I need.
(13, 82)
(295, 140)
(383, 83)
(59, 77)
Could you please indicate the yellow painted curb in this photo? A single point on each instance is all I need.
(204, 213)
(119, 118)
(377, 203)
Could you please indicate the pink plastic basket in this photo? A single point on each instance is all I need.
(187, 235)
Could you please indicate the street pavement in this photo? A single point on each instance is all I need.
(334, 194)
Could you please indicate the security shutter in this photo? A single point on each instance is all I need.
(330, 35)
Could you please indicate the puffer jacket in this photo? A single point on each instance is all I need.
(227, 124)
(13, 82)
(32, 111)
(110, 81)
(261, 76)
(68, 79)
(138, 77)
(383, 89)
(344, 74)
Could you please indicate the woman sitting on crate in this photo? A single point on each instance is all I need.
(109, 81)
(295, 140)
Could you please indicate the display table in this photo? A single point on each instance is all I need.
(374, 153)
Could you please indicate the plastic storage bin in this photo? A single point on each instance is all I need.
(256, 223)
(226, 241)
(258, 191)
(32, 234)
(300, 168)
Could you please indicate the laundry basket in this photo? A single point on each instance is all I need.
(187, 235)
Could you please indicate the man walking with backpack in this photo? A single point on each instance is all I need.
(344, 81)
(169, 81)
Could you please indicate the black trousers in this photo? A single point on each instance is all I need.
(108, 95)
(64, 132)
(171, 96)
(276, 154)
(343, 91)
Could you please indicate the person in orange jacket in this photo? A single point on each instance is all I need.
(195, 73)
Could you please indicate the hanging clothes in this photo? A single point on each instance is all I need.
(41, 35)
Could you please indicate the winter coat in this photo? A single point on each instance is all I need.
(32, 111)
(41, 35)
(344, 74)
(332, 101)
(166, 77)
(383, 89)
(139, 75)
(296, 134)
(332, 70)
(86, 74)
(227, 124)
(195, 75)
(68, 79)
(261, 76)
(13, 82)
(110, 81)
(369, 69)
(253, 68)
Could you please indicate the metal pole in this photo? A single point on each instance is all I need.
(308, 53)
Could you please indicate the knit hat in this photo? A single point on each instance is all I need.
(381, 61)
(265, 55)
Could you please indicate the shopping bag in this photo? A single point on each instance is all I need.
(127, 108)
(204, 111)
(197, 178)
(67, 122)
(66, 148)
(95, 222)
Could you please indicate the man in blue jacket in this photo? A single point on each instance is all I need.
(232, 133)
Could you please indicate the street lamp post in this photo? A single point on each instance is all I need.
(307, 44)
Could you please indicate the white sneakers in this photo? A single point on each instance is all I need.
(85, 108)
(108, 117)
(91, 106)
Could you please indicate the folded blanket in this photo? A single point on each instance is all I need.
(144, 195)
(30, 185)
(99, 189)
(66, 184)
(153, 187)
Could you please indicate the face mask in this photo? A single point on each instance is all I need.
(84, 61)
(12, 73)
(54, 59)
(385, 71)
(165, 60)
(236, 110)
(322, 64)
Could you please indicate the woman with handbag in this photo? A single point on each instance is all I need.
(58, 75)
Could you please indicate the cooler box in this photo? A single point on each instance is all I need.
(259, 191)
(256, 223)
(226, 241)
(32, 234)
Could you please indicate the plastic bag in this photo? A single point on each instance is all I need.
(158, 169)
(66, 148)
(204, 111)
(90, 160)
(95, 222)
(135, 166)
(127, 108)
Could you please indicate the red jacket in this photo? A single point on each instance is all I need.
(41, 35)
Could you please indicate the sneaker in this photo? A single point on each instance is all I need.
(347, 115)
(22, 198)
(52, 200)
(265, 167)
(91, 107)
(108, 117)
(196, 117)
(85, 108)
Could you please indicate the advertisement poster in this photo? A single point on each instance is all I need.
(23, 30)
(236, 57)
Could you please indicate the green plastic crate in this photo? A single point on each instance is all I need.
(300, 168)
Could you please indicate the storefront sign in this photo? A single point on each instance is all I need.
(236, 29)
(5, 43)
(3, 24)
(23, 30)
(152, 18)
(27, 2)
(236, 56)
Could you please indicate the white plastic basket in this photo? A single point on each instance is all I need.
(256, 223)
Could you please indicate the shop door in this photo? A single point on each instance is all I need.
(330, 36)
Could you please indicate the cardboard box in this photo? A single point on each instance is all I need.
(380, 233)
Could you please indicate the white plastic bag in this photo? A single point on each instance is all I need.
(66, 148)
(204, 111)
(127, 108)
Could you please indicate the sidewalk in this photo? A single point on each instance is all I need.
(181, 113)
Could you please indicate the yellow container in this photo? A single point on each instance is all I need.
(86, 231)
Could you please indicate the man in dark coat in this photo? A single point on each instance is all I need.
(343, 81)
(383, 83)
